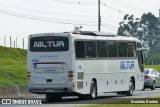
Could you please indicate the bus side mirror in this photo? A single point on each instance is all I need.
(145, 55)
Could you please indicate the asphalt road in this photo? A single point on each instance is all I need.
(101, 99)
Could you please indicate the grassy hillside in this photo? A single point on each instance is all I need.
(157, 67)
(12, 66)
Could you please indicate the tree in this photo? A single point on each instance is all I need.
(151, 28)
(146, 29)
(129, 26)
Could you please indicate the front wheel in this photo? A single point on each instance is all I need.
(93, 90)
(131, 88)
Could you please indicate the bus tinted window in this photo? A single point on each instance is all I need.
(112, 49)
(131, 46)
(80, 49)
(90, 49)
(49, 44)
(101, 49)
(122, 49)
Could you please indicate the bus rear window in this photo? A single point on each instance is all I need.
(49, 44)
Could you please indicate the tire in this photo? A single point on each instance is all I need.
(153, 86)
(93, 90)
(131, 88)
(52, 97)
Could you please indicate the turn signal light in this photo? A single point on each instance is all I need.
(70, 75)
(28, 76)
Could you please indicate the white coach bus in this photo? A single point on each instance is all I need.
(84, 64)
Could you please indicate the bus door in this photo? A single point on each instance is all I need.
(80, 63)
(140, 60)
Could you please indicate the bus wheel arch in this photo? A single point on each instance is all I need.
(133, 79)
(131, 87)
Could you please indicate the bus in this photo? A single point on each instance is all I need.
(85, 64)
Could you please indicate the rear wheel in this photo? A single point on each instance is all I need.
(52, 97)
(93, 90)
(153, 86)
(131, 88)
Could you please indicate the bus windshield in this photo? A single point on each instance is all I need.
(49, 44)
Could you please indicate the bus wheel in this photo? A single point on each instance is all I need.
(52, 97)
(93, 90)
(131, 88)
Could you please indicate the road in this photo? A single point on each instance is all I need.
(102, 99)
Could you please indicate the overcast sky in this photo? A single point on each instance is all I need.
(20, 18)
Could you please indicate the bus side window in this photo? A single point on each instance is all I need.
(131, 47)
(122, 49)
(101, 49)
(90, 49)
(80, 49)
(112, 49)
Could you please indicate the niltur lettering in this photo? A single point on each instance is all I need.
(49, 44)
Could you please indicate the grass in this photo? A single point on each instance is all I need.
(123, 105)
(157, 67)
(13, 63)
(119, 104)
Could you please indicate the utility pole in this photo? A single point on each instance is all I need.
(159, 13)
(99, 16)
(10, 41)
(16, 42)
(23, 42)
(5, 41)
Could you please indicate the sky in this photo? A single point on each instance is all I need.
(20, 18)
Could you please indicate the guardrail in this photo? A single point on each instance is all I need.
(15, 92)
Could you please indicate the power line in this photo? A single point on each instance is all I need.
(128, 6)
(112, 20)
(109, 28)
(40, 18)
(78, 2)
(45, 12)
(114, 9)
(106, 24)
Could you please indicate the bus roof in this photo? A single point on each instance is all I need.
(90, 35)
